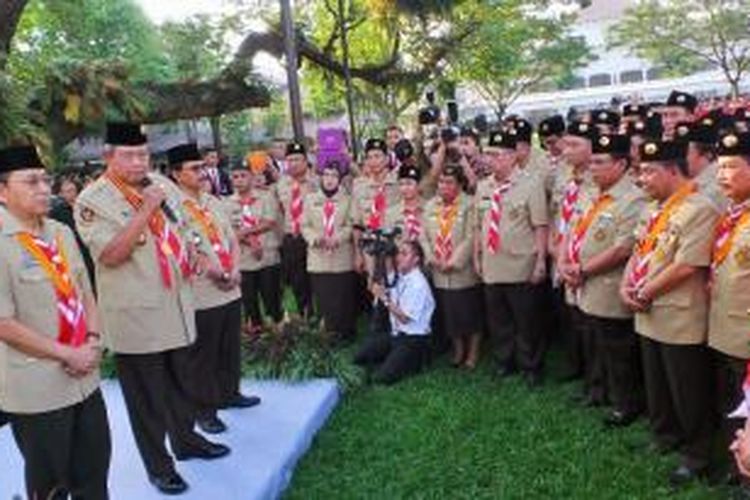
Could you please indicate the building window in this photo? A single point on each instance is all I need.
(633, 76)
(654, 74)
(600, 80)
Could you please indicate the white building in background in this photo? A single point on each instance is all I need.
(614, 75)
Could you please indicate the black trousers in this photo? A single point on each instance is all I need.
(574, 332)
(730, 373)
(336, 298)
(680, 404)
(397, 356)
(213, 368)
(294, 270)
(158, 405)
(511, 321)
(620, 360)
(594, 376)
(66, 451)
(262, 284)
(4, 418)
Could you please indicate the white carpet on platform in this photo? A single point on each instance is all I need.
(266, 443)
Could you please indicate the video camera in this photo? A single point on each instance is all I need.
(379, 242)
(403, 150)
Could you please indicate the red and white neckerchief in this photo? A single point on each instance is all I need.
(248, 218)
(446, 216)
(168, 242)
(735, 218)
(72, 329)
(495, 215)
(657, 223)
(205, 220)
(568, 208)
(412, 223)
(329, 218)
(377, 209)
(296, 207)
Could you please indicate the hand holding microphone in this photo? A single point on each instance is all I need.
(154, 196)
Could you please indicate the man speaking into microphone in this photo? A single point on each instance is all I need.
(143, 269)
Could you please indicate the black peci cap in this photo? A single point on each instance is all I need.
(682, 99)
(734, 144)
(502, 139)
(178, 155)
(409, 172)
(581, 129)
(295, 148)
(611, 144)
(553, 125)
(19, 158)
(654, 150)
(376, 143)
(125, 134)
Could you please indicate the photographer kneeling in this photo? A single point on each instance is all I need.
(410, 304)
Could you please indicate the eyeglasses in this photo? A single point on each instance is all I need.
(34, 180)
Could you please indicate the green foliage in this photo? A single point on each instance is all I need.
(299, 351)
(456, 435)
(513, 49)
(198, 47)
(69, 31)
(683, 36)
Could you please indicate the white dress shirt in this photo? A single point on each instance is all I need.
(413, 296)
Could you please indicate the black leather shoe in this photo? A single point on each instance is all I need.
(208, 451)
(212, 425)
(169, 484)
(241, 401)
(617, 418)
(683, 475)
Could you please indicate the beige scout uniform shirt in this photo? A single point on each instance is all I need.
(709, 187)
(28, 384)
(587, 190)
(320, 260)
(681, 315)
(395, 217)
(139, 314)
(284, 194)
(524, 208)
(206, 294)
(463, 275)
(539, 164)
(729, 316)
(266, 207)
(613, 227)
(364, 191)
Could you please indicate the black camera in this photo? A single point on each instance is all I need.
(379, 242)
(431, 113)
(403, 150)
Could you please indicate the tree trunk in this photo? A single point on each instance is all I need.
(10, 15)
(215, 122)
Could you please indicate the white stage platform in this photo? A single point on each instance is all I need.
(266, 443)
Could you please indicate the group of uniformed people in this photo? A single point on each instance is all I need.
(630, 230)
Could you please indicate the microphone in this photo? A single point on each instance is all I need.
(166, 209)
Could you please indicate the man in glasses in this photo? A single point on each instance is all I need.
(49, 341)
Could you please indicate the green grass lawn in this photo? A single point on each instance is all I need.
(452, 434)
